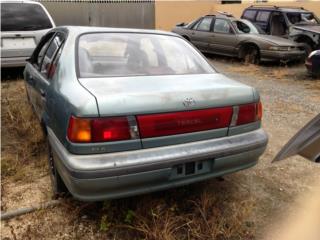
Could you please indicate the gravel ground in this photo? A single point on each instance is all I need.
(263, 194)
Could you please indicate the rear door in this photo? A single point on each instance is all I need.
(223, 39)
(200, 34)
(40, 71)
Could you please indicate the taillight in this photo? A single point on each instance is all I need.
(164, 124)
(101, 129)
(249, 113)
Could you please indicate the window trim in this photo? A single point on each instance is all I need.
(34, 57)
(210, 27)
(55, 56)
(230, 25)
(55, 53)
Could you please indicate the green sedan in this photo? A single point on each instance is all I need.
(133, 111)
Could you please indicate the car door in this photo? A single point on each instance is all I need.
(224, 39)
(201, 32)
(306, 143)
(41, 69)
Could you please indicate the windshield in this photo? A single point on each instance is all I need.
(300, 18)
(245, 26)
(131, 54)
(23, 17)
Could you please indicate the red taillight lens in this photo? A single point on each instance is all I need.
(249, 113)
(156, 125)
(98, 129)
(110, 129)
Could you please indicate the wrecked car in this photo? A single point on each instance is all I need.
(313, 63)
(294, 23)
(226, 35)
(23, 23)
(133, 111)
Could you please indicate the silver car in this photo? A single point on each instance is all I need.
(23, 23)
(226, 35)
(133, 111)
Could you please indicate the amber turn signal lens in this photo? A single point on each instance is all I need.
(79, 130)
(259, 111)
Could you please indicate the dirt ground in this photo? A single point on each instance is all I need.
(245, 205)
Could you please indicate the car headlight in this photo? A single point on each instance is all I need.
(279, 48)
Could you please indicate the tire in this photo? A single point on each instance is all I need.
(58, 187)
(251, 55)
(307, 48)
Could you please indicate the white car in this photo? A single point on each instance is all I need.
(23, 23)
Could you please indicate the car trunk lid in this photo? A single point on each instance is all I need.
(122, 96)
(171, 109)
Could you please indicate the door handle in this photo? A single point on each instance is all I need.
(30, 79)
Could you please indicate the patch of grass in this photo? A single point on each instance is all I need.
(209, 210)
(22, 137)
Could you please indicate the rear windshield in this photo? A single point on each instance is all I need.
(131, 54)
(23, 17)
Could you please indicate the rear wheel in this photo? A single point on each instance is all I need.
(58, 186)
(251, 55)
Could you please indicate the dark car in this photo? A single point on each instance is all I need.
(294, 23)
(313, 63)
(226, 35)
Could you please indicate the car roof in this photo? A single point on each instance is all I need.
(279, 8)
(78, 30)
(222, 16)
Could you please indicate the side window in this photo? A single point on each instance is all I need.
(48, 58)
(205, 24)
(250, 14)
(222, 26)
(45, 42)
(263, 16)
(195, 26)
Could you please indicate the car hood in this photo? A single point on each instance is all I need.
(153, 94)
(279, 41)
(309, 28)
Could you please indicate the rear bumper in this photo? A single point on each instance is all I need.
(115, 175)
(13, 62)
(267, 55)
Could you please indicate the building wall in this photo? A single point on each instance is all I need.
(104, 13)
(169, 13)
